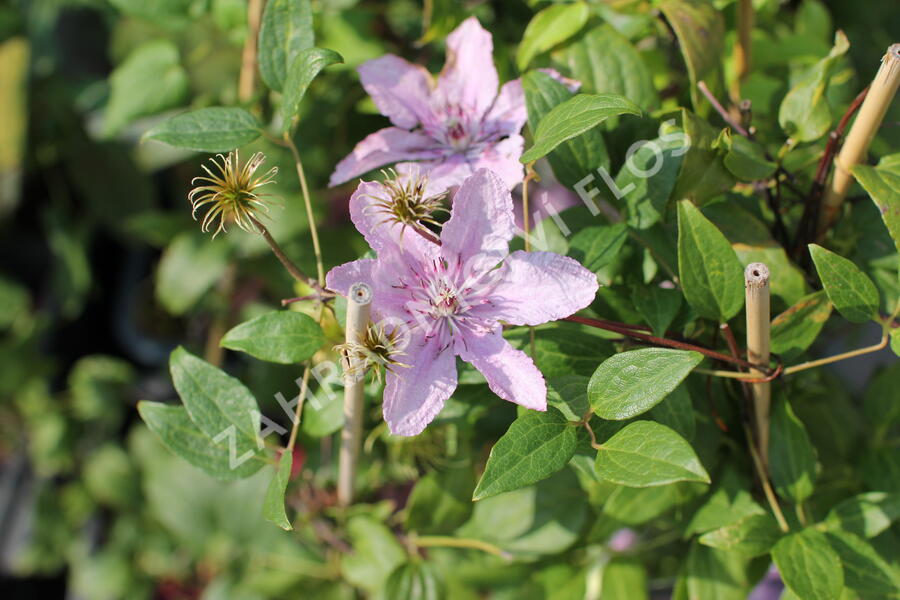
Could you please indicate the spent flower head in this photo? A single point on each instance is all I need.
(404, 200)
(232, 193)
(379, 349)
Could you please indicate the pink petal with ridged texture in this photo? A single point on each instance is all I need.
(480, 227)
(443, 174)
(400, 89)
(469, 78)
(414, 395)
(510, 373)
(503, 159)
(381, 148)
(340, 278)
(537, 287)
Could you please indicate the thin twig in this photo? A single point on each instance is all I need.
(599, 324)
(764, 481)
(722, 112)
(293, 269)
(310, 217)
(295, 426)
(838, 357)
(445, 541)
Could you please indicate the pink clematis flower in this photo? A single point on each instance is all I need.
(451, 298)
(453, 127)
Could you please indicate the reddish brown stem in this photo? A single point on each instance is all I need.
(806, 227)
(657, 341)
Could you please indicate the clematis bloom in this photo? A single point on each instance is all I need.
(454, 126)
(450, 299)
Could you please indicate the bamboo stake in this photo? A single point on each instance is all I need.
(869, 119)
(359, 303)
(756, 295)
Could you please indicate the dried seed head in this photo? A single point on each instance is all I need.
(406, 201)
(380, 346)
(232, 193)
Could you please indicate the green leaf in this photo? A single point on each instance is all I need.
(549, 27)
(805, 113)
(852, 292)
(636, 506)
(376, 553)
(286, 29)
(645, 454)
(624, 579)
(703, 175)
(729, 502)
(631, 383)
(541, 519)
(677, 411)
(711, 573)
(754, 535)
(746, 159)
(149, 81)
(564, 349)
(572, 118)
(568, 394)
(535, 446)
(881, 402)
(306, 66)
(794, 330)
(648, 178)
(711, 275)
(605, 61)
(794, 470)
(273, 507)
(572, 159)
(179, 434)
(413, 581)
(214, 129)
(441, 501)
(284, 337)
(598, 245)
(700, 28)
(658, 306)
(808, 565)
(865, 572)
(865, 515)
(189, 267)
(883, 185)
(217, 403)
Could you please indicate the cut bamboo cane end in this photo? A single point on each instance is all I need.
(360, 293)
(756, 275)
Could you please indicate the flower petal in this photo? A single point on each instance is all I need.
(340, 278)
(469, 77)
(537, 287)
(480, 226)
(443, 174)
(510, 373)
(503, 159)
(388, 145)
(400, 89)
(414, 395)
